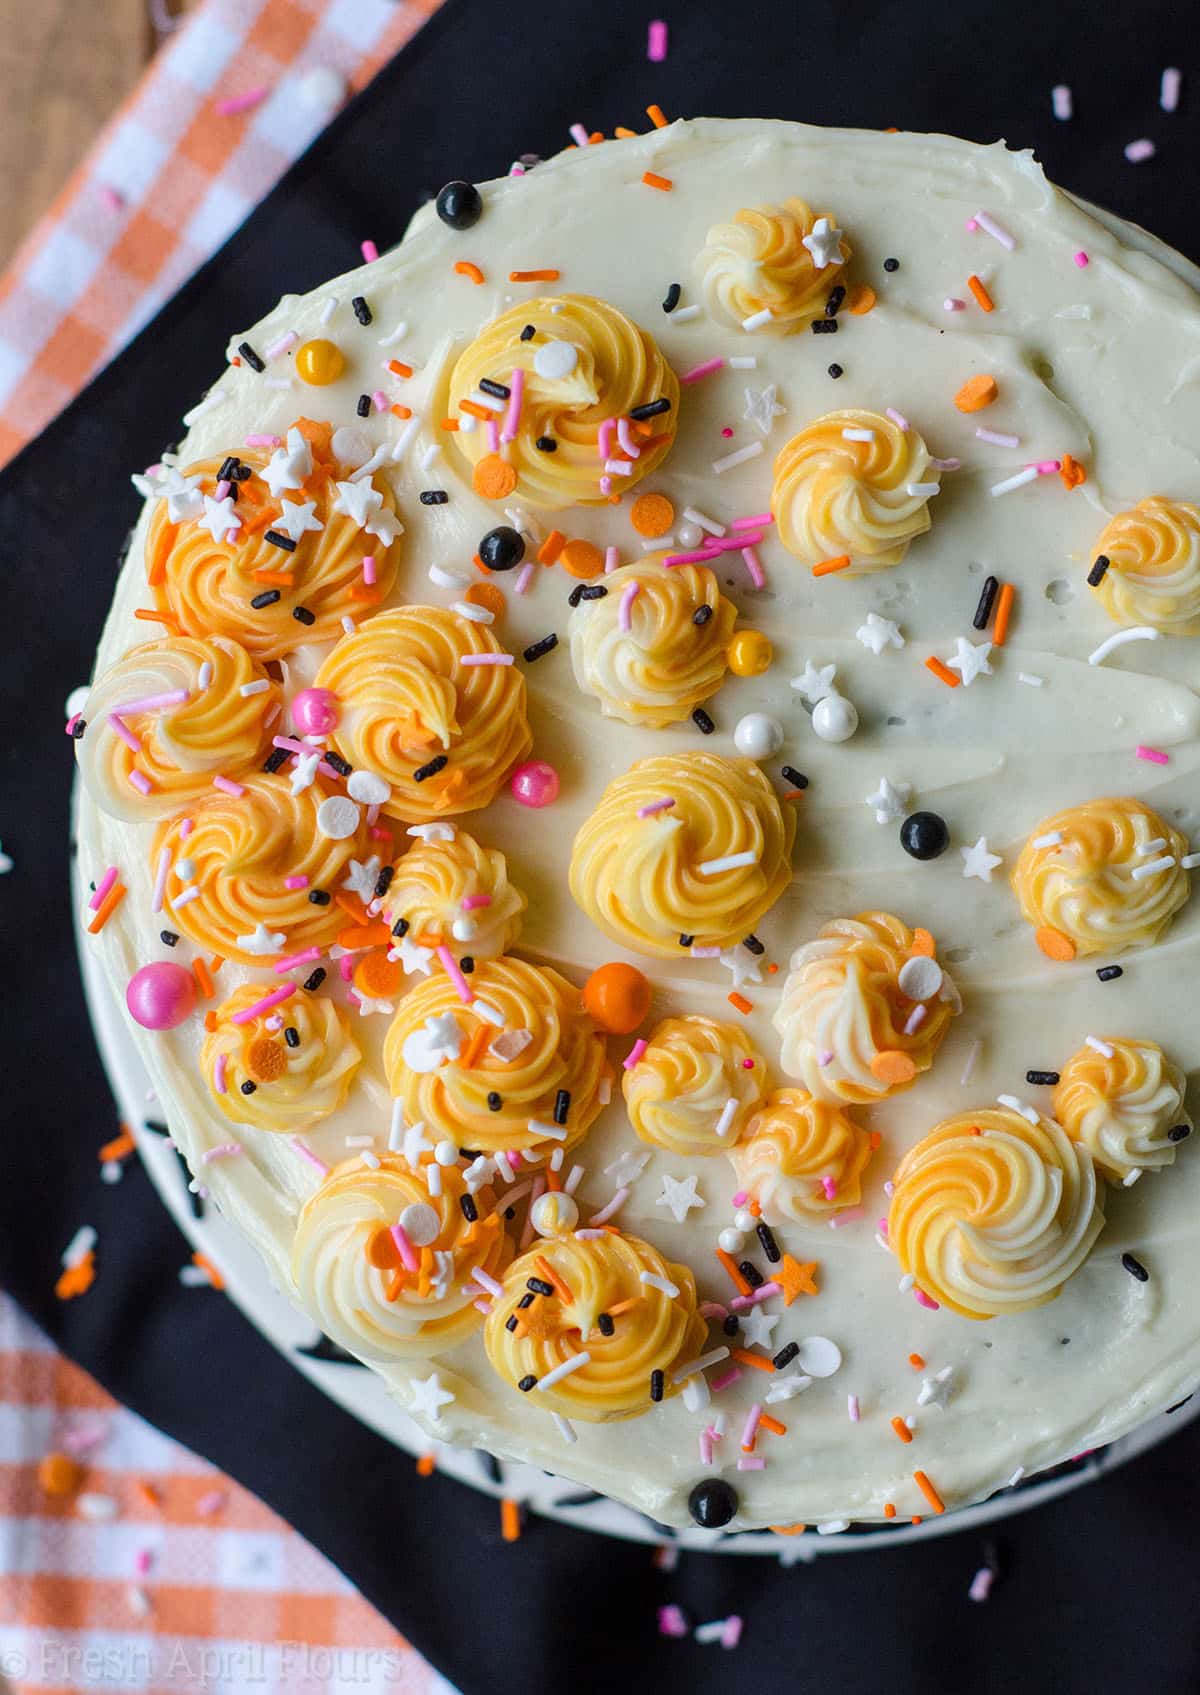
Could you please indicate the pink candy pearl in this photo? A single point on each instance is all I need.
(314, 712)
(160, 996)
(535, 783)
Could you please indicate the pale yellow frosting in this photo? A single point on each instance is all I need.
(759, 263)
(691, 1091)
(801, 1158)
(297, 1082)
(1121, 1104)
(434, 878)
(1153, 574)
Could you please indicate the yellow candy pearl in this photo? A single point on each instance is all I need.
(320, 362)
(750, 653)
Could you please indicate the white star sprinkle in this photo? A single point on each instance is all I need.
(304, 772)
(741, 965)
(415, 1143)
(626, 1170)
(890, 800)
(385, 525)
(763, 407)
(295, 517)
(432, 832)
(180, 493)
(783, 1388)
(367, 1005)
(680, 1195)
(978, 862)
(971, 660)
(878, 633)
(362, 877)
(288, 466)
(758, 1327)
(443, 1034)
(824, 242)
(412, 956)
(220, 516)
(6, 863)
(427, 1397)
(357, 501)
(817, 683)
(263, 941)
(937, 1390)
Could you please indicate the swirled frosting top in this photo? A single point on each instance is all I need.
(962, 434)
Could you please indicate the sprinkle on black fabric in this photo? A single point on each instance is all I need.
(433, 497)
(593, 591)
(836, 371)
(77, 729)
(489, 385)
(250, 356)
(469, 1210)
(562, 1106)
(702, 614)
(770, 1246)
(466, 964)
(431, 769)
(277, 757)
(384, 881)
(292, 1036)
(754, 945)
(313, 982)
(731, 1324)
(651, 409)
(1042, 1079)
(686, 941)
(671, 299)
(528, 333)
(539, 1286)
(168, 937)
(400, 927)
(527, 1383)
(606, 1324)
(249, 1087)
(319, 897)
(657, 1381)
(703, 722)
(1179, 1133)
(267, 598)
(752, 1274)
(824, 326)
(546, 444)
(1099, 567)
(278, 539)
(833, 304)
(1106, 973)
(361, 310)
(785, 1356)
(576, 595)
(342, 766)
(796, 778)
(536, 650)
(890, 265)
(1135, 1268)
(302, 615)
(494, 1102)
(987, 596)
(363, 406)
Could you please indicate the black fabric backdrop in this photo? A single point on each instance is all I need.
(1091, 1586)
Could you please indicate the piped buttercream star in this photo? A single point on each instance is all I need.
(824, 242)
(816, 683)
(304, 772)
(679, 1194)
(890, 800)
(219, 517)
(758, 1327)
(295, 517)
(627, 1168)
(262, 941)
(763, 407)
(289, 465)
(971, 660)
(412, 956)
(362, 877)
(427, 1397)
(978, 862)
(878, 633)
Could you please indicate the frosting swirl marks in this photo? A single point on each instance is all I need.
(348, 1271)
(296, 1082)
(208, 584)
(664, 664)
(759, 263)
(833, 496)
(182, 744)
(991, 1214)
(647, 881)
(532, 1040)
(238, 853)
(1122, 1105)
(405, 700)
(691, 1091)
(458, 891)
(847, 1027)
(801, 1158)
(575, 398)
(1092, 885)
(1153, 575)
(656, 1331)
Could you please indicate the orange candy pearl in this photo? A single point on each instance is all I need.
(319, 362)
(617, 998)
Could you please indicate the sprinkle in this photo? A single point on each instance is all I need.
(997, 438)
(730, 862)
(702, 721)
(1137, 152)
(228, 786)
(852, 1409)
(655, 115)
(1061, 103)
(653, 180)
(1168, 97)
(251, 357)
(464, 268)
(1153, 754)
(981, 1583)
(452, 969)
(306, 1153)
(1004, 604)
(901, 1429)
(826, 567)
(655, 806)
(671, 1290)
(108, 906)
(942, 672)
(1139, 633)
(1150, 866)
(740, 1002)
(234, 104)
(575, 1363)
(533, 276)
(982, 297)
(728, 1112)
(704, 370)
(930, 1493)
(248, 1013)
(739, 457)
(537, 649)
(635, 1053)
(953, 304)
(656, 41)
(994, 230)
(923, 1300)
(1081, 259)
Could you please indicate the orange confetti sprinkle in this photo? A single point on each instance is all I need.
(356, 936)
(581, 559)
(120, 1147)
(107, 907)
(465, 268)
(77, 1279)
(740, 1002)
(652, 180)
(930, 1493)
(787, 1529)
(1004, 606)
(449, 424)
(976, 393)
(916, 1361)
(489, 597)
(474, 410)
(893, 1067)
(860, 300)
(1071, 472)
(203, 981)
(399, 411)
(473, 1052)
(426, 1465)
(399, 369)
(656, 117)
(534, 276)
(1054, 944)
(942, 672)
(493, 477)
(760, 1362)
(623, 134)
(901, 1429)
(889, 1510)
(734, 1271)
(766, 1422)
(210, 1021)
(827, 567)
(510, 1519)
(981, 294)
(923, 944)
(377, 977)
(550, 549)
(652, 514)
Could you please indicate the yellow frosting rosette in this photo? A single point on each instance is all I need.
(801, 1159)
(835, 495)
(349, 1271)
(1125, 1105)
(640, 651)
(991, 1213)
(207, 584)
(237, 853)
(759, 263)
(692, 1090)
(523, 1038)
(457, 890)
(849, 1031)
(708, 866)
(657, 1328)
(299, 1071)
(406, 701)
(1153, 571)
(586, 366)
(1090, 882)
(180, 701)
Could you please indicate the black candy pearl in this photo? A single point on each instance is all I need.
(713, 1503)
(502, 548)
(924, 835)
(460, 205)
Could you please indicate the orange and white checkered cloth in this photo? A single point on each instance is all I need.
(191, 1582)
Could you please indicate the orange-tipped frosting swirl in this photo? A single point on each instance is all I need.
(664, 664)
(834, 496)
(847, 1026)
(181, 745)
(991, 1214)
(646, 881)
(1153, 573)
(801, 1158)
(759, 263)
(691, 1091)
(653, 1331)
(406, 700)
(576, 400)
(238, 853)
(348, 1270)
(296, 1081)
(524, 1037)
(457, 891)
(207, 584)
(1094, 886)
(1122, 1105)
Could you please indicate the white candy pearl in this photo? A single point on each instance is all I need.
(554, 1214)
(421, 1224)
(731, 1241)
(446, 1153)
(835, 718)
(688, 535)
(758, 736)
(743, 1220)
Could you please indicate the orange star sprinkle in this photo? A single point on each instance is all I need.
(794, 1278)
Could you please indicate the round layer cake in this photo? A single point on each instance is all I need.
(639, 785)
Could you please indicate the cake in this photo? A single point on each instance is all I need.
(639, 787)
